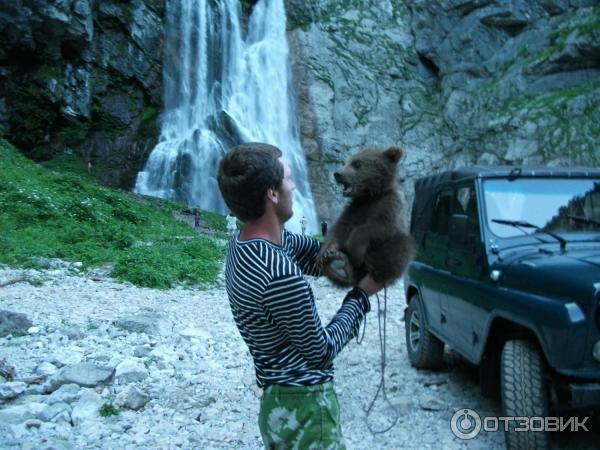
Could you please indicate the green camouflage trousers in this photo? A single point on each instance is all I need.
(306, 417)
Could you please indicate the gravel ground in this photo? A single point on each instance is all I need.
(196, 375)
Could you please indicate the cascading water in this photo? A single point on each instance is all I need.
(223, 86)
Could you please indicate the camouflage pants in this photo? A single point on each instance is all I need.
(306, 417)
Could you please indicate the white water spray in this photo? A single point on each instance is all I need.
(223, 87)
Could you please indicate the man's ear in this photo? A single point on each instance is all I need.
(272, 195)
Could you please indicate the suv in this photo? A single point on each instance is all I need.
(507, 273)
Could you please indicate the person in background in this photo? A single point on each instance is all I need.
(231, 223)
(197, 217)
(273, 303)
(303, 222)
(323, 228)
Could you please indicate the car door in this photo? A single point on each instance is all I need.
(433, 254)
(464, 263)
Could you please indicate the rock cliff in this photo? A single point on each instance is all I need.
(83, 77)
(454, 82)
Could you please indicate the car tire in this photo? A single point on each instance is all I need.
(425, 351)
(524, 393)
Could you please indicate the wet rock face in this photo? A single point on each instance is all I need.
(454, 83)
(82, 77)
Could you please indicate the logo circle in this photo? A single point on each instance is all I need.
(465, 424)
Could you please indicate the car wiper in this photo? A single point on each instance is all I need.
(523, 224)
(584, 220)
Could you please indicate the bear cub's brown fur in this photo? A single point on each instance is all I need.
(369, 236)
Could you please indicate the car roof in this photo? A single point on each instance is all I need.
(427, 187)
(471, 172)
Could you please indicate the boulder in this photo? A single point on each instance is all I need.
(14, 323)
(12, 389)
(83, 374)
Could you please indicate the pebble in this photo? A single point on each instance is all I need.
(168, 368)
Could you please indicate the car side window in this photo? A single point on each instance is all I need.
(466, 203)
(441, 213)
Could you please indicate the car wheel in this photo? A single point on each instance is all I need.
(524, 393)
(425, 351)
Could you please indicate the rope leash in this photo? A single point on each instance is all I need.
(381, 318)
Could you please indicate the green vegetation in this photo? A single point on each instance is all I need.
(149, 113)
(58, 211)
(108, 410)
(74, 133)
(584, 25)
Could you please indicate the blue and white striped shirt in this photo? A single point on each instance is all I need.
(274, 309)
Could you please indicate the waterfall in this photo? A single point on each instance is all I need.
(223, 85)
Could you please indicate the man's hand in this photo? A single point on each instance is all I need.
(369, 285)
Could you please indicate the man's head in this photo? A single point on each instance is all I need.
(251, 173)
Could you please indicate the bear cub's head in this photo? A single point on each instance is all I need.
(369, 173)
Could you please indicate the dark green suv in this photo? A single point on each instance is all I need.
(508, 274)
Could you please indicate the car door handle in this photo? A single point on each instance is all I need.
(453, 262)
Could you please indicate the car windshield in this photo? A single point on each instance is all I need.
(551, 204)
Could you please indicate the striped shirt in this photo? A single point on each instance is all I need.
(274, 309)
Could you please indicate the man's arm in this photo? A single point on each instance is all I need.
(289, 300)
(305, 251)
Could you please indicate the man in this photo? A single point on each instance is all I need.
(273, 304)
(197, 217)
(303, 223)
(323, 228)
(231, 223)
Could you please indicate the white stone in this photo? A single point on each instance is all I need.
(12, 389)
(132, 398)
(20, 413)
(45, 369)
(193, 332)
(130, 370)
(84, 374)
(87, 407)
(67, 393)
(56, 412)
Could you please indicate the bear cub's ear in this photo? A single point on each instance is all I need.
(393, 154)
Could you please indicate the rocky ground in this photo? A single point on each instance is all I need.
(107, 365)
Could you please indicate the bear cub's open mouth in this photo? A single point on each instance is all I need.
(347, 189)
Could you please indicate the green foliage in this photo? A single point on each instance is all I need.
(214, 221)
(149, 113)
(587, 24)
(108, 409)
(67, 165)
(73, 133)
(157, 264)
(58, 211)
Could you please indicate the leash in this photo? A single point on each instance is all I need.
(382, 344)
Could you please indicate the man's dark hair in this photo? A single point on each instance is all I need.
(246, 172)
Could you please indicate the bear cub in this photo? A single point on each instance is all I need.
(368, 236)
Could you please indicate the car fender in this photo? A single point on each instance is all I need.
(561, 332)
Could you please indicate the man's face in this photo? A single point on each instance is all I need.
(286, 194)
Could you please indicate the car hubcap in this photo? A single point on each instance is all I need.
(414, 331)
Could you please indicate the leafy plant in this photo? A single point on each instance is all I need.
(58, 211)
(108, 409)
